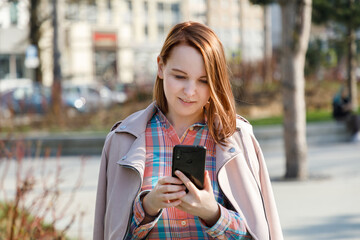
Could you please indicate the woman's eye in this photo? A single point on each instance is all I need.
(204, 81)
(179, 77)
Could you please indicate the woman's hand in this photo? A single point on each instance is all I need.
(197, 202)
(165, 194)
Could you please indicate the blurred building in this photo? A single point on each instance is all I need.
(239, 25)
(114, 41)
(117, 41)
(13, 39)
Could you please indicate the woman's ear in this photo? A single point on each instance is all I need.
(160, 63)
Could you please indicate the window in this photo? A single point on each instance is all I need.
(128, 12)
(4, 66)
(175, 12)
(109, 12)
(175, 8)
(72, 11)
(146, 11)
(13, 13)
(146, 30)
(20, 66)
(91, 12)
(129, 5)
(161, 30)
(105, 66)
(146, 6)
(160, 6)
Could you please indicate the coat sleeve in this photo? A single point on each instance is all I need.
(100, 206)
(267, 192)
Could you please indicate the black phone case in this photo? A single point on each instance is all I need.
(190, 160)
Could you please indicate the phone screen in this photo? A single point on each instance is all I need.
(190, 160)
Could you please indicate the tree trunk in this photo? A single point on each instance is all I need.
(56, 87)
(35, 34)
(296, 19)
(267, 45)
(352, 67)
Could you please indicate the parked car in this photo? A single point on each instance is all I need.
(110, 97)
(35, 98)
(26, 99)
(13, 83)
(81, 98)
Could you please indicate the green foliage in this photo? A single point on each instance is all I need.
(319, 54)
(26, 226)
(338, 11)
(267, 121)
(311, 117)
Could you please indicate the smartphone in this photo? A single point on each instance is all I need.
(190, 160)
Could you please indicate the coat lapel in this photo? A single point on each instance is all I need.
(135, 157)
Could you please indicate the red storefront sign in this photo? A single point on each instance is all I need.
(107, 39)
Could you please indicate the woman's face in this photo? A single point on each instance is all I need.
(185, 83)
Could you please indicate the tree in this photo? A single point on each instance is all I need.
(56, 87)
(296, 23)
(36, 19)
(347, 14)
(296, 18)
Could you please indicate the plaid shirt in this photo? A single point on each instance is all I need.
(173, 223)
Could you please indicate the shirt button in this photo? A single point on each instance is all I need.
(124, 157)
(123, 127)
(231, 150)
(183, 223)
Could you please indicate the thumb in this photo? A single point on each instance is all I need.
(207, 182)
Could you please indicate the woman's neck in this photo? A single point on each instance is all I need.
(180, 124)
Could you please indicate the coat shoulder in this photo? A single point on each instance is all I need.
(129, 118)
(115, 125)
(136, 122)
(242, 124)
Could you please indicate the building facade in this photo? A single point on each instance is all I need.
(13, 40)
(117, 41)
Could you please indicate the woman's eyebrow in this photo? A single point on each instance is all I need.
(178, 70)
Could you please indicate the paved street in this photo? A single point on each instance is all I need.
(327, 205)
(324, 207)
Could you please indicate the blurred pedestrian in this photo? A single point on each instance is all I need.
(137, 197)
(342, 111)
(341, 105)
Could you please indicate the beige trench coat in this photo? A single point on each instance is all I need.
(240, 167)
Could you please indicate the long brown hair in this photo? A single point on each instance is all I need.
(221, 115)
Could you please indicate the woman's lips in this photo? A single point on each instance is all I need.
(186, 101)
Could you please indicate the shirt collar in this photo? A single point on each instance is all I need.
(166, 124)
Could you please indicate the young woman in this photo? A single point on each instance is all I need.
(193, 104)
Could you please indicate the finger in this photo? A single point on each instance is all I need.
(174, 203)
(188, 184)
(172, 196)
(207, 182)
(170, 188)
(169, 180)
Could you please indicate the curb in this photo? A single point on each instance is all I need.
(90, 144)
(316, 134)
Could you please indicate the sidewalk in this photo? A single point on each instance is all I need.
(327, 205)
(324, 207)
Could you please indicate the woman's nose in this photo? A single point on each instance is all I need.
(190, 88)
